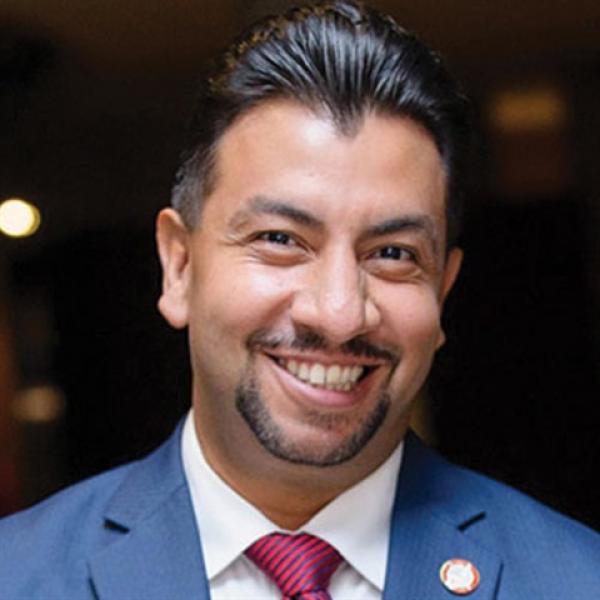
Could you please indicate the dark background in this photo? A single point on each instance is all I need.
(94, 99)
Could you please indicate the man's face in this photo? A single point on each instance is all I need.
(313, 285)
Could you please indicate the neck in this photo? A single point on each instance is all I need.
(288, 501)
(287, 508)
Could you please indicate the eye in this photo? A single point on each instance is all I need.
(278, 248)
(394, 263)
(394, 253)
(277, 237)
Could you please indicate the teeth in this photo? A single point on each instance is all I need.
(304, 372)
(334, 377)
(317, 374)
(333, 374)
(345, 377)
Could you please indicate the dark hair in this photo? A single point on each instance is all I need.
(339, 58)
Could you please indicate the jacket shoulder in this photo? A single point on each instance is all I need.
(76, 505)
(57, 535)
(538, 546)
(45, 551)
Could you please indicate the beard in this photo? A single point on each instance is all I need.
(255, 412)
(271, 436)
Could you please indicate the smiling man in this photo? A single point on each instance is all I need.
(309, 252)
(312, 287)
(318, 271)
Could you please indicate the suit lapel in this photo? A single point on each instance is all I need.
(154, 549)
(429, 526)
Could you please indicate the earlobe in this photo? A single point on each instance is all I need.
(451, 270)
(172, 238)
(441, 340)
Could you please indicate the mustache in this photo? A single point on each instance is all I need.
(357, 347)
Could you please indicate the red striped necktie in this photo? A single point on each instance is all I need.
(301, 565)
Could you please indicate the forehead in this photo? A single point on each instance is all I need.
(282, 150)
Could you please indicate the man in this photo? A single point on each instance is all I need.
(309, 252)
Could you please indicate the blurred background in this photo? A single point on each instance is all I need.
(94, 99)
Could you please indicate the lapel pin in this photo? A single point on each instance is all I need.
(459, 576)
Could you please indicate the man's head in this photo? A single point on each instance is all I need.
(313, 280)
(339, 59)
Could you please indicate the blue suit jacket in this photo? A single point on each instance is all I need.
(130, 534)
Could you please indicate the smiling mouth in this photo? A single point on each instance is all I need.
(340, 378)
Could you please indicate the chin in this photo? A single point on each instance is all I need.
(323, 439)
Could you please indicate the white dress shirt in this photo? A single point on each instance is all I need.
(356, 523)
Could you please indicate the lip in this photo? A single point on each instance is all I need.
(344, 360)
(312, 397)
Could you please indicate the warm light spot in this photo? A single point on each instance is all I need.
(39, 404)
(528, 110)
(18, 218)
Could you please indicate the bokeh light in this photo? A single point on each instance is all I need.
(18, 218)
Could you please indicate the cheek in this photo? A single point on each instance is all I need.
(413, 318)
(228, 305)
(414, 324)
(235, 301)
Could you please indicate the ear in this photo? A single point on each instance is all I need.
(451, 270)
(172, 239)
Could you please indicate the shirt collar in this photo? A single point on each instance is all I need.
(229, 524)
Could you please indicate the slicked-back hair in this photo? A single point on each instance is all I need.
(342, 60)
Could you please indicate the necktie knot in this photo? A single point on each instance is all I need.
(301, 565)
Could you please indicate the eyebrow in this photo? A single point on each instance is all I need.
(261, 205)
(419, 223)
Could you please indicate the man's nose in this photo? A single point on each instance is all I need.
(334, 300)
